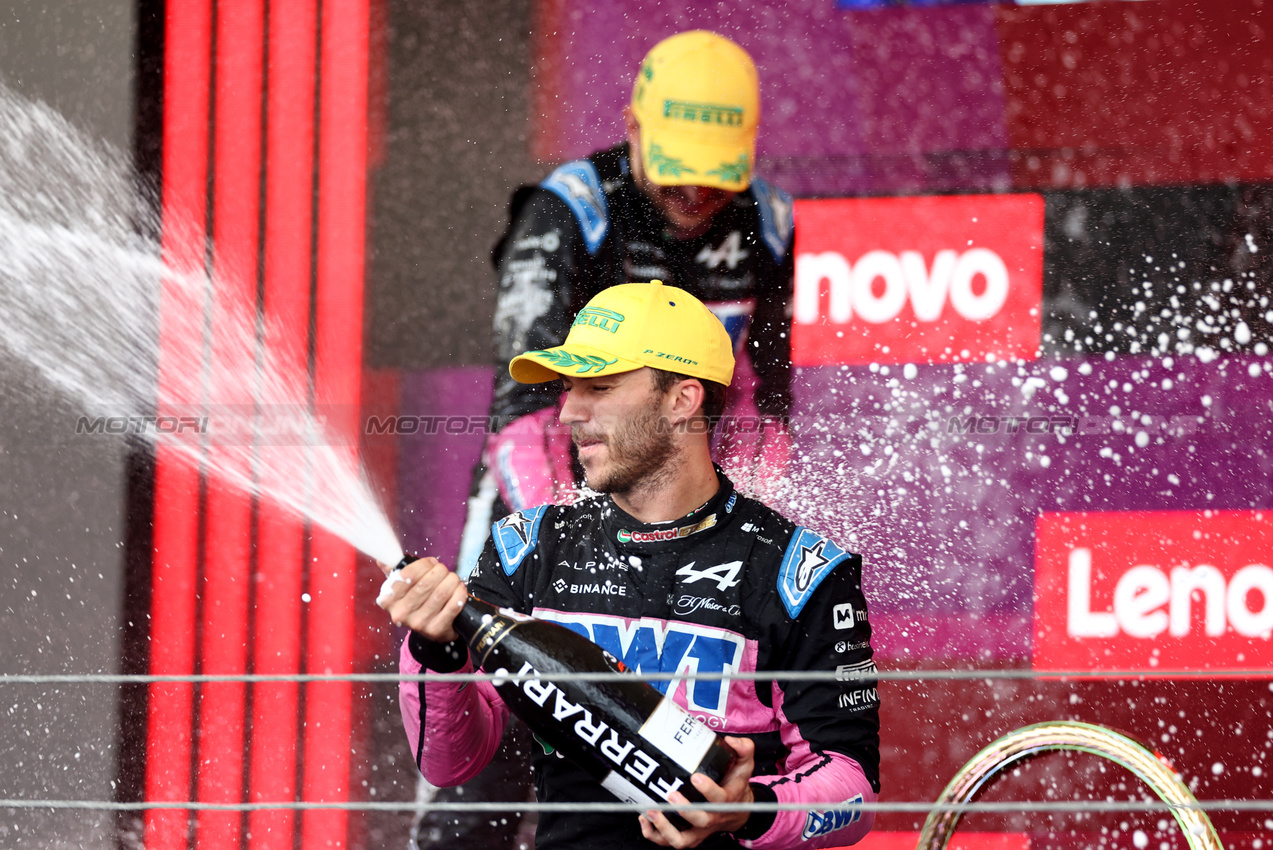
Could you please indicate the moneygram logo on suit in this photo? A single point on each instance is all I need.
(918, 280)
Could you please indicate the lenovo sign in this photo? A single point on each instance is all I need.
(929, 279)
(961, 840)
(1154, 591)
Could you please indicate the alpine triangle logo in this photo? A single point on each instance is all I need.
(725, 575)
(729, 252)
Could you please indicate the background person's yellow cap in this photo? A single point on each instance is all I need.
(697, 99)
(632, 325)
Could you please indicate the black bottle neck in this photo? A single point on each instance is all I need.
(474, 617)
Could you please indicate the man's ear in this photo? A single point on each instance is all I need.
(633, 130)
(686, 401)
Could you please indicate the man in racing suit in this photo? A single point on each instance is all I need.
(638, 211)
(634, 212)
(671, 570)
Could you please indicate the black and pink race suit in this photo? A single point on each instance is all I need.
(733, 587)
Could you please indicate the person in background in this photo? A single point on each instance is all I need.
(669, 568)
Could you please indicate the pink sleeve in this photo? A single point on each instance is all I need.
(821, 786)
(822, 782)
(462, 723)
(530, 458)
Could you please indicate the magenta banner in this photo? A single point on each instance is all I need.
(932, 98)
(913, 99)
(937, 474)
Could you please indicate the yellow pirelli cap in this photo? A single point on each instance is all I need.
(632, 325)
(697, 99)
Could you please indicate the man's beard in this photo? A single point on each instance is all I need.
(639, 453)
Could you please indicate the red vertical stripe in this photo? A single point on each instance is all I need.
(549, 21)
(227, 554)
(338, 362)
(288, 211)
(340, 251)
(188, 41)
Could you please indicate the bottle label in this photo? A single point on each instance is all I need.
(678, 734)
(563, 714)
(489, 637)
(626, 791)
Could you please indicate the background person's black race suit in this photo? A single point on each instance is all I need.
(733, 585)
(587, 227)
(603, 231)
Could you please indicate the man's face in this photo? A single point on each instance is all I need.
(689, 210)
(618, 426)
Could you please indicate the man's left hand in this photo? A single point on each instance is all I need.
(734, 788)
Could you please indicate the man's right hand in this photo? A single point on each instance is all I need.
(426, 600)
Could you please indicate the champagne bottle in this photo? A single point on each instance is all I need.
(640, 745)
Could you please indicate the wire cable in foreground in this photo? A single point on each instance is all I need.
(909, 807)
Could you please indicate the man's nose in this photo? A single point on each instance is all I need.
(694, 194)
(572, 410)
